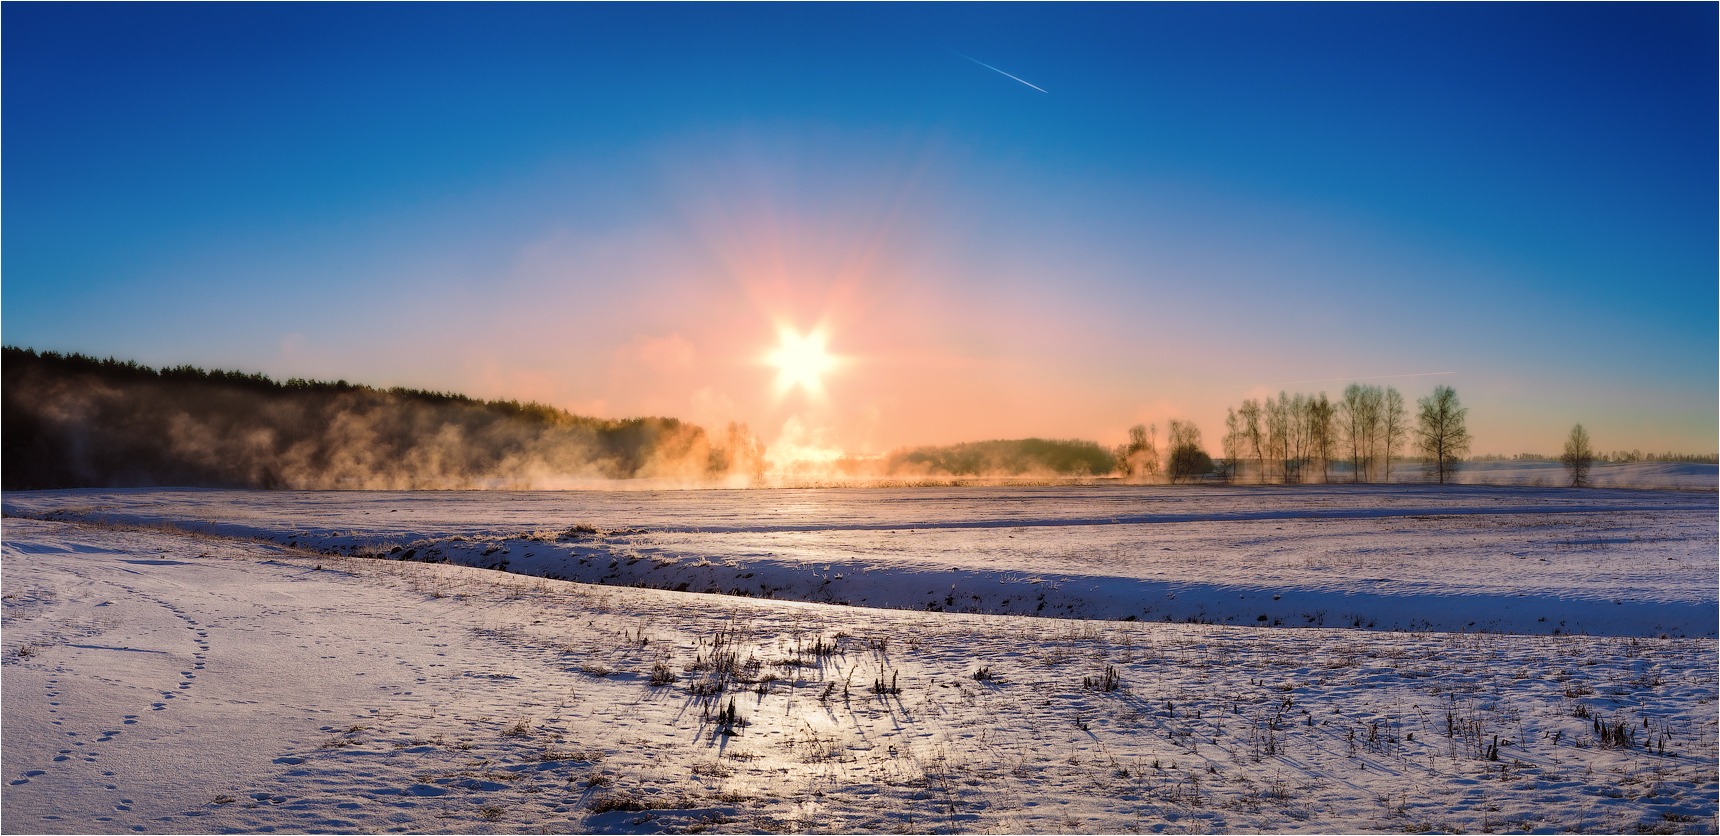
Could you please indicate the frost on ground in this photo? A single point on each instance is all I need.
(1400, 557)
(162, 681)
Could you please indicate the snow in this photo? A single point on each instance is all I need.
(1400, 557)
(1674, 475)
(196, 661)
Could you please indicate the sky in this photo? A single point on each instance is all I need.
(1003, 221)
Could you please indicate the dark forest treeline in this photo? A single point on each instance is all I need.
(78, 421)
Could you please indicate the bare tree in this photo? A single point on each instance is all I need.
(1393, 424)
(1234, 439)
(1278, 433)
(1442, 435)
(1292, 431)
(1186, 459)
(1322, 432)
(1350, 425)
(1359, 416)
(1578, 456)
(1298, 435)
(1140, 457)
(1295, 435)
(1249, 413)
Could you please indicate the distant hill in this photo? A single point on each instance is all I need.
(1018, 457)
(76, 421)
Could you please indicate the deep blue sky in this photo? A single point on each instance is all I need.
(608, 207)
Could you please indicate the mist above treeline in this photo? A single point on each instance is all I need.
(72, 421)
(77, 421)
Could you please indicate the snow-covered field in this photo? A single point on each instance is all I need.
(1401, 557)
(1675, 475)
(1335, 658)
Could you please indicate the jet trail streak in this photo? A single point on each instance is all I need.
(1002, 73)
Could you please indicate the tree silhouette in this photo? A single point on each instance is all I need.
(1441, 432)
(1394, 426)
(1234, 439)
(1279, 429)
(1187, 459)
(1323, 432)
(1578, 456)
(1249, 415)
(1360, 413)
(1140, 457)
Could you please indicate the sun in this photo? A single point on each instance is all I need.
(801, 361)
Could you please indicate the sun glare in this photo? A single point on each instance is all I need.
(801, 361)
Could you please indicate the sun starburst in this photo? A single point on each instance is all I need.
(801, 361)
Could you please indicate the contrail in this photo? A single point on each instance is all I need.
(1001, 72)
(1361, 377)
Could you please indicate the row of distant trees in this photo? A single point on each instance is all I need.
(1298, 437)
